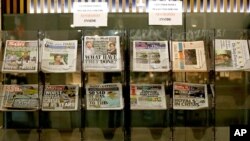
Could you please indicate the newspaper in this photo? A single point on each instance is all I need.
(60, 98)
(20, 97)
(101, 53)
(59, 56)
(20, 56)
(189, 56)
(150, 56)
(104, 96)
(147, 96)
(231, 55)
(189, 96)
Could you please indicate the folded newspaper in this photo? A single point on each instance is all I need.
(101, 53)
(189, 96)
(150, 56)
(104, 96)
(189, 56)
(147, 97)
(231, 55)
(20, 56)
(59, 56)
(20, 97)
(60, 98)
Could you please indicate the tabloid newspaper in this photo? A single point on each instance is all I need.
(104, 96)
(150, 56)
(20, 97)
(189, 96)
(101, 53)
(59, 56)
(60, 98)
(231, 55)
(189, 56)
(147, 96)
(20, 56)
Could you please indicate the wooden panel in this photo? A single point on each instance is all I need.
(145, 6)
(212, 6)
(28, 6)
(185, 6)
(69, 6)
(136, 6)
(225, 5)
(205, 6)
(123, 6)
(130, 6)
(231, 6)
(110, 5)
(35, 6)
(15, 6)
(195, 5)
(62, 6)
(117, 6)
(218, 6)
(238, 5)
(42, 6)
(49, 6)
(21, 6)
(1, 20)
(245, 6)
(55, 6)
(198, 6)
(192, 6)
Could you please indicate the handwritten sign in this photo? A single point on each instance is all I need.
(165, 12)
(90, 14)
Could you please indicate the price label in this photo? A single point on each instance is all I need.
(89, 14)
(165, 12)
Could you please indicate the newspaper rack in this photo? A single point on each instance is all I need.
(125, 75)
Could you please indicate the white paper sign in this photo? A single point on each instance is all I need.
(165, 12)
(90, 14)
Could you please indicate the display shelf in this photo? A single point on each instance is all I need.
(229, 106)
(106, 123)
(14, 119)
(199, 123)
(51, 121)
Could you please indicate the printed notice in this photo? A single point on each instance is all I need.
(90, 14)
(165, 12)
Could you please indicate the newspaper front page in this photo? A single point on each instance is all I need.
(59, 56)
(189, 56)
(231, 55)
(20, 56)
(147, 97)
(101, 53)
(60, 98)
(104, 96)
(150, 56)
(189, 96)
(20, 97)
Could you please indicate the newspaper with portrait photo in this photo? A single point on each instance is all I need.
(104, 96)
(59, 56)
(189, 56)
(231, 55)
(101, 53)
(189, 96)
(150, 56)
(20, 56)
